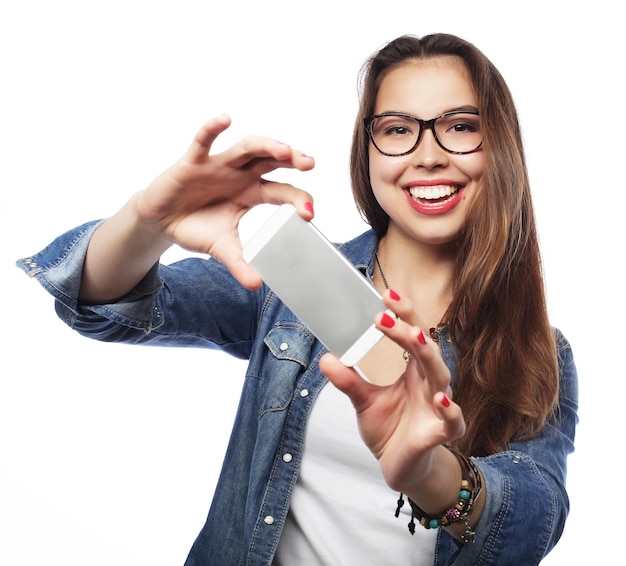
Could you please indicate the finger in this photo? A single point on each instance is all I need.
(401, 332)
(228, 250)
(346, 379)
(451, 415)
(205, 137)
(407, 331)
(244, 273)
(426, 353)
(423, 350)
(281, 193)
(402, 308)
(262, 155)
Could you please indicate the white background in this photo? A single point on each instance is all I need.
(109, 454)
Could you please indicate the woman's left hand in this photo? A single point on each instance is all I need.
(402, 423)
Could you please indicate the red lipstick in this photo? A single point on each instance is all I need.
(434, 197)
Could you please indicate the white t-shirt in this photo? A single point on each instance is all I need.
(342, 511)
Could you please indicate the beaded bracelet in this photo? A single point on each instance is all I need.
(471, 485)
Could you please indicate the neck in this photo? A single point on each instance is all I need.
(421, 272)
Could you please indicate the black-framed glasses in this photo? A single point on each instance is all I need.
(395, 133)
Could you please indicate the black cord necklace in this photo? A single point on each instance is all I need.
(406, 355)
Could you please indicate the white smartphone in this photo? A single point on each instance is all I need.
(317, 282)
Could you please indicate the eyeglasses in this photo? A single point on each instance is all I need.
(394, 133)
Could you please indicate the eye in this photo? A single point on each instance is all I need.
(462, 127)
(397, 131)
(394, 126)
(459, 124)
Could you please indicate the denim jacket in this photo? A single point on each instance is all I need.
(196, 302)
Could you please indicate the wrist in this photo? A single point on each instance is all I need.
(437, 480)
(147, 231)
(121, 252)
(459, 516)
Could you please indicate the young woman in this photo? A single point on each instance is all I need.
(465, 410)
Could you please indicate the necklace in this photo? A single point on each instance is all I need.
(434, 333)
(406, 355)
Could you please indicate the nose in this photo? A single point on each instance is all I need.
(428, 153)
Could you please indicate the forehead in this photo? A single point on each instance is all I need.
(426, 87)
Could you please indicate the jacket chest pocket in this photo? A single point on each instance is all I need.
(287, 356)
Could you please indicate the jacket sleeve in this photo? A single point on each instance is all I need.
(192, 303)
(527, 503)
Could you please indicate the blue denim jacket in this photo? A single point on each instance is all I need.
(197, 302)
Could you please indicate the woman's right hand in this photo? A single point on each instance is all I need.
(198, 202)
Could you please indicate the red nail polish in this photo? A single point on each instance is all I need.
(387, 321)
(394, 295)
(309, 207)
(421, 338)
(445, 401)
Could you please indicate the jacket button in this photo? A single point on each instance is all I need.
(269, 520)
(287, 458)
(283, 346)
(304, 393)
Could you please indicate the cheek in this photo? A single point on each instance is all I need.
(474, 169)
(473, 165)
(385, 169)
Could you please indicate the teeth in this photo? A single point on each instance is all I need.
(432, 193)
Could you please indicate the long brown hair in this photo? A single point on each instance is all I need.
(508, 373)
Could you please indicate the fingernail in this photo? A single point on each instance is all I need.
(394, 295)
(445, 401)
(387, 321)
(308, 206)
(421, 338)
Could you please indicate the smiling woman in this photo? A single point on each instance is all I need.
(451, 404)
(113, 452)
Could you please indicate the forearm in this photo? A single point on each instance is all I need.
(121, 252)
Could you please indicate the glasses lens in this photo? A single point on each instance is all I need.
(459, 131)
(394, 134)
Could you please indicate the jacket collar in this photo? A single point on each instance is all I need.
(360, 251)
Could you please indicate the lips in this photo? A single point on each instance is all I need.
(434, 199)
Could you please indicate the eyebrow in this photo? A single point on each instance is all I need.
(464, 108)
